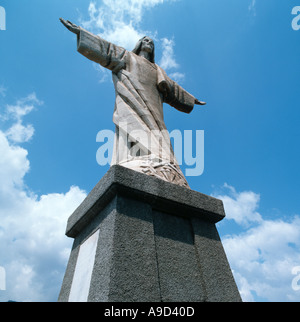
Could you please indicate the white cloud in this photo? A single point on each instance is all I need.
(22, 107)
(177, 77)
(3, 91)
(240, 207)
(252, 7)
(262, 257)
(104, 74)
(119, 21)
(33, 245)
(168, 60)
(13, 166)
(19, 133)
(36, 248)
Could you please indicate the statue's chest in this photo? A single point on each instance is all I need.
(145, 72)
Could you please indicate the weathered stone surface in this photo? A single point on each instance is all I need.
(162, 196)
(126, 260)
(179, 274)
(156, 241)
(141, 86)
(215, 270)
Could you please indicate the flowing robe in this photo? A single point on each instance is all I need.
(142, 141)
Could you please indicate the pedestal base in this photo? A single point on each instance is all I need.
(140, 239)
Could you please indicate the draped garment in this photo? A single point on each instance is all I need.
(142, 141)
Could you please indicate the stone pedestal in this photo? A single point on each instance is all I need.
(141, 239)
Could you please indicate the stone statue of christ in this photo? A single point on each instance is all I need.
(142, 142)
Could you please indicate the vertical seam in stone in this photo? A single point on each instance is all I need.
(112, 246)
(156, 256)
(199, 262)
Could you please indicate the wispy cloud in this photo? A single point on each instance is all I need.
(2, 91)
(240, 207)
(18, 132)
(263, 255)
(22, 107)
(33, 247)
(168, 59)
(178, 77)
(252, 7)
(120, 22)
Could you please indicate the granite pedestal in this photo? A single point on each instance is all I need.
(140, 239)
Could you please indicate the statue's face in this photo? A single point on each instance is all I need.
(147, 45)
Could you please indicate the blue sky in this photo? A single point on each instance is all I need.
(241, 57)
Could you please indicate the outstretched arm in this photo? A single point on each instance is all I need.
(97, 49)
(197, 102)
(69, 25)
(175, 95)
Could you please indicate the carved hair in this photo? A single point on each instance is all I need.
(138, 47)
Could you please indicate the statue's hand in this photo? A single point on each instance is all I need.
(72, 27)
(199, 102)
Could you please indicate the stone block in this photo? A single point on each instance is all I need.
(140, 239)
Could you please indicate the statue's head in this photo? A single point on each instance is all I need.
(145, 44)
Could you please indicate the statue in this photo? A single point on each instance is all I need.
(142, 142)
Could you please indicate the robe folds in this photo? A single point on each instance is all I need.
(142, 141)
